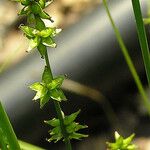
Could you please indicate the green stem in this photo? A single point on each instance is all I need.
(7, 130)
(28, 146)
(129, 62)
(142, 37)
(48, 64)
(59, 111)
(63, 129)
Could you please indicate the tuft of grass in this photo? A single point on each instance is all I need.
(128, 60)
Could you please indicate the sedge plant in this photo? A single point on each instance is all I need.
(124, 50)
(121, 143)
(49, 88)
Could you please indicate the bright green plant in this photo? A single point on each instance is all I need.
(8, 139)
(145, 99)
(122, 143)
(142, 37)
(49, 89)
(64, 127)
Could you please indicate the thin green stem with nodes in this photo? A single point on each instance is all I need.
(41, 37)
(128, 60)
(142, 37)
(59, 111)
(7, 130)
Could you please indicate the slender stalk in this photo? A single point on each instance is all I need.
(8, 130)
(142, 37)
(129, 62)
(28, 146)
(63, 129)
(59, 112)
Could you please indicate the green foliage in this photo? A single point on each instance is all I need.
(142, 37)
(38, 34)
(121, 143)
(71, 128)
(49, 88)
(34, 7)
(40, 38)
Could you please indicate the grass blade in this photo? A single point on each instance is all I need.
(128, 60)
(142, 37)
(7, 129)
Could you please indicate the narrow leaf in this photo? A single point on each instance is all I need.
(77, 136)
(49, 42)
(69, 119)
(39, 24)
(36, 8)
(54, 122)
(41, 93)
(73, 127)
(36, 86)
(55, 130)
(42, 3)
(58, 95)
(56, 82)
(33, 43)
(31, 32)
(55, 137)
(46, 32)
(44, 99)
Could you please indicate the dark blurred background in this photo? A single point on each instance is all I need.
(99, 82)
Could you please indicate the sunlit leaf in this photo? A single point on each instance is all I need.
(58, 95)
(54, 122)
(49, 42)
(42, 3)
(44, 15)
(56, 82)
(31, 32)
(44, 99)
(46, 32)
(40, 94)
(36, 86)
(36, 8)
(25, 2)
(33, 43)
(71, 118)
(129, 139)
(121, 143)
